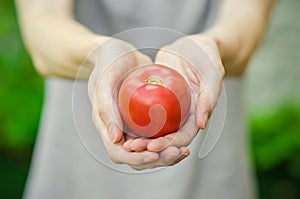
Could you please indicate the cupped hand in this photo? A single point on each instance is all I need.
(112, 60)
(198, 59)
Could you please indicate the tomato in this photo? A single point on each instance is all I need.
(154, 100)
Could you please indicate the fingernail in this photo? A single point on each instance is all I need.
(203, 123)
(186, 153)
(115, 139)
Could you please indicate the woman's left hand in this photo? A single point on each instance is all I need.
(197, 57)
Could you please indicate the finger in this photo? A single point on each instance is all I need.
(129, 137)
(161, 143)
(139, 158)
(166, 157)
(169, 155)
(104, 109)
(139, 144)
(135, 158)
(185, 152)
(169, 58)
(203, 108)
(118, 155)
(183, 137)
(105, 90)
(126, 145)
(111, 132)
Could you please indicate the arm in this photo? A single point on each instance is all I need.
(238, 30)
(58, 46)
(57, 43)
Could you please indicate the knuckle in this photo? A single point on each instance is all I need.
(102, 111)
(137, 168)
(169, 140)
(102, 114)
(183, 138)
(40, 66)
(115, 159)
(137, 162)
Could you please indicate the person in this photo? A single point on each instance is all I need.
(60, 34)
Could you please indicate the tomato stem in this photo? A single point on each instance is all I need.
(154, 80)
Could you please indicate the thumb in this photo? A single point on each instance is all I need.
(104, 90)
(105, 114)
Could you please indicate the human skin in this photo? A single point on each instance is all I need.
(230, 44)
(58, 45)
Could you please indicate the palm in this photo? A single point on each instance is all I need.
(112, 60)
(197, 58)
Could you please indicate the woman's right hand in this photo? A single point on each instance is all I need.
(111, 60)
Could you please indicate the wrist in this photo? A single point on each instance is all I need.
(229, 42)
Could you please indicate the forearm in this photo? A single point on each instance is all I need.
(57, 43)
(238, 31)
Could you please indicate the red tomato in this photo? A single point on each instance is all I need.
(154, 100)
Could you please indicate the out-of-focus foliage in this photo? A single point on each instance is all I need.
(276, 139)
(21, 95)
(20, 87)
(276, 151)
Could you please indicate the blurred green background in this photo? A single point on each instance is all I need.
(272, 99)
